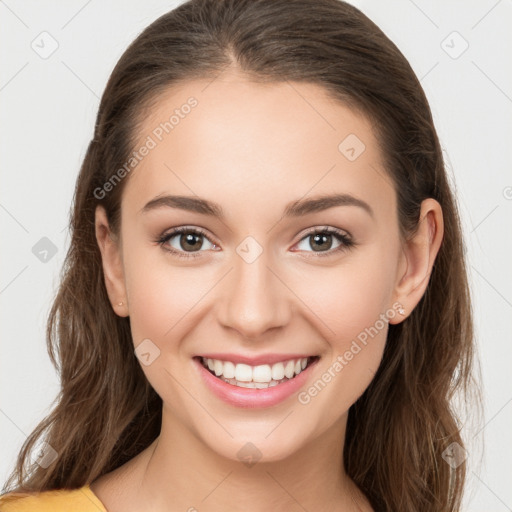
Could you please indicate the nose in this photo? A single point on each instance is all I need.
(255, 299)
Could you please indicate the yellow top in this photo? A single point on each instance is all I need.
(62, 500)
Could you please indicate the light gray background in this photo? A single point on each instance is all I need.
(48, 111)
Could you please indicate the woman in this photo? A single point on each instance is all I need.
(265, 302)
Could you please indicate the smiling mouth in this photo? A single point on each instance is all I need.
(258, 377)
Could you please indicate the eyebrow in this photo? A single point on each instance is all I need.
(297, 208)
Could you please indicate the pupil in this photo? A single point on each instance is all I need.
(193, 241)
(321, 240)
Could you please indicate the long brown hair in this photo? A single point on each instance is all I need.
(400, 428)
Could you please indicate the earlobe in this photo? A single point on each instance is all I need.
(419, 253)
(112, 263)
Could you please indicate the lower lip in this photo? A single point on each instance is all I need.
(252, 397)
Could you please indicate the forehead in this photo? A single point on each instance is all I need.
(241, 142)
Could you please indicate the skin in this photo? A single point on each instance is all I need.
(253, 148)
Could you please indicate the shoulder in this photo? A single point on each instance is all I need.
(61, 500)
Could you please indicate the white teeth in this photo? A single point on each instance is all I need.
(278, 371)
(262, 373)
(289, 369)
(229, 370)
(254, 385)
(217, 367)
(260, 376)
(243, 373)
(245, 384)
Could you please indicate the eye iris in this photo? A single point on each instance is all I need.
(193, 239)
(322, 241)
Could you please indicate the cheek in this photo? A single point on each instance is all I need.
(165, 301)
(160, 297)
(350, 297)
(352, 303)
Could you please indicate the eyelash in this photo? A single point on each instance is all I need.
(346, 241)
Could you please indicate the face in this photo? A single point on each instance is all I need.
(269, 274)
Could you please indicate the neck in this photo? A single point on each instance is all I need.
(178, 468)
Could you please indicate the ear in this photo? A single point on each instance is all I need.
(417, 260)
(111, 256)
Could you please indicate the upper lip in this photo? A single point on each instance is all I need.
(255, 360)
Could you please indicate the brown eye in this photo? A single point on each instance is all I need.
(181, 241)
(321, 241)
(190, 241)
(325, 242)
